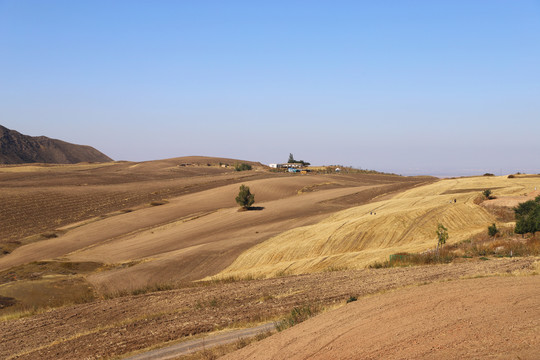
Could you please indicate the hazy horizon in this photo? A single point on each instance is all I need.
(409, 87)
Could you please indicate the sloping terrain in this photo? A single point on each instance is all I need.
(16, 148)
(356, 237)
(40, 198)
(485, 318)
(110, 328)
(186, 237)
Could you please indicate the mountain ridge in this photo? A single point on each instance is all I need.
(17, 148)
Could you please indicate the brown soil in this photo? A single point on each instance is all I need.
(187, 237)
(41, 198)
(487, 318)
(119, 326)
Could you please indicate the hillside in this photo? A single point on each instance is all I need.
(16, 148)
(356, 237)
(486, 318)
(109, 213)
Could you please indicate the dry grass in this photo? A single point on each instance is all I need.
(33, 296)
(481, 247)
(357, 237)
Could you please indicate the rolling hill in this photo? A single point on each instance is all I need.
(16, 148)
(356, 237)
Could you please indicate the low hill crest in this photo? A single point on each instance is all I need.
(17, 148)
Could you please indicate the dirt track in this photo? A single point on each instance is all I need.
(486, 318)
(119, 326)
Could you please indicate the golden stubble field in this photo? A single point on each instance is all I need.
(119, 280)
(193, 230)
(356, 237)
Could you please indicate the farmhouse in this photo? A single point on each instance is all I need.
(286, 166)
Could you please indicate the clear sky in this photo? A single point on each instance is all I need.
(431, 87)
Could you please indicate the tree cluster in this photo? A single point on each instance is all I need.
(528, 217)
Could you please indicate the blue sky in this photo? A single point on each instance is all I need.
(431, 87)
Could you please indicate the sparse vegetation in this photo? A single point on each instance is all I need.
(487, 194)
(488, 174)
(351, 299)
(492, 230)
(442, 236)
(298, 315)
(242, 167)
(245, 198)
(466, 249)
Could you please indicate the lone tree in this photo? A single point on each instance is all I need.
(528, 217)
(442, 235)
(487, 194)
(245, 198)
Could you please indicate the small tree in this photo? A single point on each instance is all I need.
(487, 194)
(245, 198)
(442, 235)
(492, 230)
(291, 159)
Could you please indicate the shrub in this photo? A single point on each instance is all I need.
(492, 230)
(242, 167)
(527, 217)
(351, 299)
(511, 176)
(488, 174)
(487, 194)
(245, 198)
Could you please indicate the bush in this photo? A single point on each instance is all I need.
(245, 198)
(511, 176)
(242, 167)
(527, 217)
(492, 230)
(488, 174)
(487, 194)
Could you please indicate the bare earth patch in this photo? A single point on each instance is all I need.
(485, 318)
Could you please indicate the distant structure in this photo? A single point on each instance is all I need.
(286, 166)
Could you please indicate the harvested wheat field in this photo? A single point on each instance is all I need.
(356, 237)
(167, 221)
(483, 318)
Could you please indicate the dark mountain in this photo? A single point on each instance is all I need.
(16, 148)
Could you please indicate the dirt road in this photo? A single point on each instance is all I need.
(188, 347)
